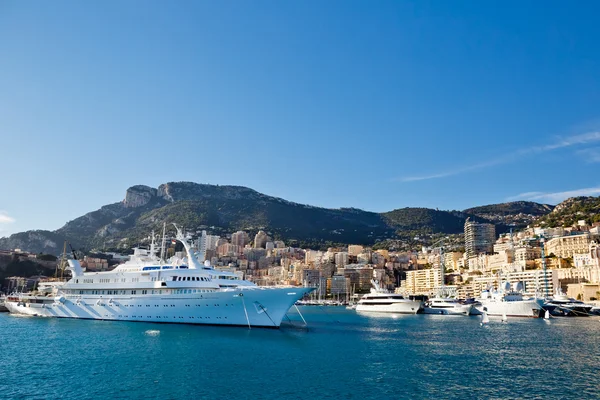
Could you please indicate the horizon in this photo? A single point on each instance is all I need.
(340, 104)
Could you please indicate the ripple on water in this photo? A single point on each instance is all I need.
(340, 355)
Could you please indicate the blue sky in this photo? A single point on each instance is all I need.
(377, 105)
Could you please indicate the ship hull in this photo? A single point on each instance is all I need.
(525, 308)
(407, 307)
(459, 309)
(259, 307)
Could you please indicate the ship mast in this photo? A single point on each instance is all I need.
(162, 246)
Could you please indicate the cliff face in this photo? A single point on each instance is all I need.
(35, 241)
(139, 195)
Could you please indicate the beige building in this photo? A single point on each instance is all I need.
(588, 274)
(584, 291)
(566, 246)
(424, 281)
(452, 260)
(526, 254)
(355, 249)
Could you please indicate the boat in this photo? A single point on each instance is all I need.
(476, 306)
(562, 305)
(2, 305)
(509, 301)
(149, 289)
(446, 306)
(484, 319)
(384, 301)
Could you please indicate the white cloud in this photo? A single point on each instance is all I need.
(556, 197)
(590, 155)
(453, 171)
(576, 140)
(5, 218)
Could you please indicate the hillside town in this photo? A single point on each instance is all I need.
(543, 259)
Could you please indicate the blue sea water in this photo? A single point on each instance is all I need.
(342, 355)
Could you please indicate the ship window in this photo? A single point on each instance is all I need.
(188, 278)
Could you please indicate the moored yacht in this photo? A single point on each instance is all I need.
(146, 288)
(562, 305)
(381, 300)
(507, 302)
(446, 306)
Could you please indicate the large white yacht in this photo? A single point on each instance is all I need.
(148, 289)
(509, 302)
(381, 300)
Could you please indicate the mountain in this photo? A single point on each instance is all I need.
(426, 220)
(520, 213)
(572, 210)
(226, 209)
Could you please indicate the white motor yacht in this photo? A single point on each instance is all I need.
(381, 300)
(509, 302)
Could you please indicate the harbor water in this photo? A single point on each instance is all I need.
(342, 355)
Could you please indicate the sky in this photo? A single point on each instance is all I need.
(377, 105)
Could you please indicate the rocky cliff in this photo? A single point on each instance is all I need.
(225, 209)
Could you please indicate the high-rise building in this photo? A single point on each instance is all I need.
(341, 259)
(260, 240)
(479, 238)
(206, 244)
(240, 238)
(355, 249)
